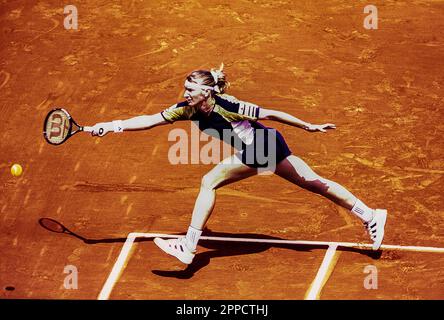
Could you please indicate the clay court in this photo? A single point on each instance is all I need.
(266, 239)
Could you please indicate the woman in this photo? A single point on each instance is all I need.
(207, 103)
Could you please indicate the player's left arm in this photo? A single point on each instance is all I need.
(269, 114)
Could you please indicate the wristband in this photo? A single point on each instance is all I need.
(118, 126)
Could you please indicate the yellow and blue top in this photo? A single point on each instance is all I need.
(230, 118)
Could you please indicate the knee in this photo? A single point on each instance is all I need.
(208, 182)
(317, 185)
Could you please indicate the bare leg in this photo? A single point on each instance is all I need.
(292, 169)
(229, 170)
(298, 172)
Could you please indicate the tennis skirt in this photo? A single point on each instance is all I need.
(267, 149)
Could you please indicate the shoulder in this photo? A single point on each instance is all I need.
(179, 105)
(179, 111)
(225, 98)
(233, 104)
(227, 102)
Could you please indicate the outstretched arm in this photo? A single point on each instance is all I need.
(269, 114)
(136, 123)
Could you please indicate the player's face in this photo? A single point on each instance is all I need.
(194, 95)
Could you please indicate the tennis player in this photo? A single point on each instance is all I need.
(258, 148)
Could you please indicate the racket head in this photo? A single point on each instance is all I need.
(57, 126)
(52, 225)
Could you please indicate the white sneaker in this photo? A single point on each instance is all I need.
(375, 227)
(177, 248)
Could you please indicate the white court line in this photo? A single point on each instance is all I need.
(300, 242)
(321, 276)
(123, 256)
(117, 268)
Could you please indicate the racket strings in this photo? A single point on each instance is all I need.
(57, 126)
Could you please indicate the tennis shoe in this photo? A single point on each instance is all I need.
(177, 248)
(375, 227)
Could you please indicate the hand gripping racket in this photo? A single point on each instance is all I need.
(59, 126)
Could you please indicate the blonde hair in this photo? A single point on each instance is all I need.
(215, 78)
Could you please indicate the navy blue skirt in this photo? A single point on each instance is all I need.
(267, 149)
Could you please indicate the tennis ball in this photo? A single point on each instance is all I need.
(16, 170)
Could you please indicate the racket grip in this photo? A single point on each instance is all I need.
(88, 129)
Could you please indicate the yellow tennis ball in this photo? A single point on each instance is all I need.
(16, 170)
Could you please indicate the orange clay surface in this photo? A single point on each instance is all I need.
(314, 59)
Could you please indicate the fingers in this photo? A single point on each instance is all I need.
(321, 127)
(327, 126)
(94, 132)
(100, 132)
(324, 127)
(97, 130)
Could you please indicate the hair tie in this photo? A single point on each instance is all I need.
(216, 75)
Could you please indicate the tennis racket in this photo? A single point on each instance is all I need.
(59, 126)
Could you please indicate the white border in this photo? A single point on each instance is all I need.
(316, 287)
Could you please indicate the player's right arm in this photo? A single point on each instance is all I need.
(177, 112)
(137, 123)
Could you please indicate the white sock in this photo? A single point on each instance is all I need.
(362, 211)
(192, 237)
